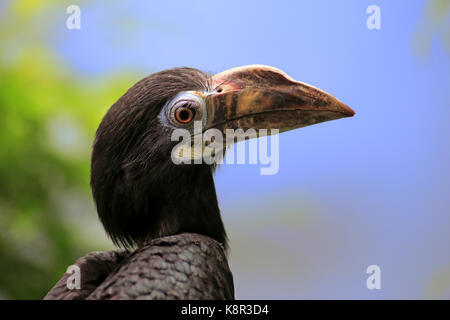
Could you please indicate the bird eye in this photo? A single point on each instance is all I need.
(183, 109)
(184, 112)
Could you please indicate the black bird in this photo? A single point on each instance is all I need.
(168, 211)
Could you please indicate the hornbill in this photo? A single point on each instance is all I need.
(167, 212)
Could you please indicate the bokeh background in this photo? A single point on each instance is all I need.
(373, 189)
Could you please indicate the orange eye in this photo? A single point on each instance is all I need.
(184, 115)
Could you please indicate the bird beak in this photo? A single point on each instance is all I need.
(262, 97)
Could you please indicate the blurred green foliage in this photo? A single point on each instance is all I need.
(435, 22)
(48, 120)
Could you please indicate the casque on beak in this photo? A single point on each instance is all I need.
(263, 97)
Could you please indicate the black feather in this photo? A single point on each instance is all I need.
(140, 194)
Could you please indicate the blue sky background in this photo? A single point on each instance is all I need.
(372, 189)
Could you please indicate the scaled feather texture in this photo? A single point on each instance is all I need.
(184, 266)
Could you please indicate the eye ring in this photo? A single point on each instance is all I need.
(183, 109)
(184, 114)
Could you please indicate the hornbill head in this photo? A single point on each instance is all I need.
(140, 193)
